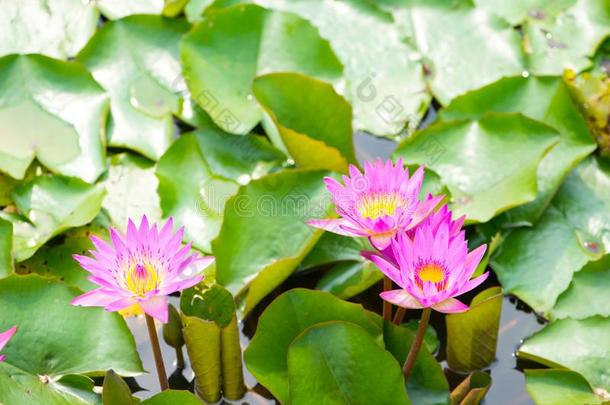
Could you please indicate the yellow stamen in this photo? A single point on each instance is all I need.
(431, 272)
(132, 310)
(378, 205)
(141, 279)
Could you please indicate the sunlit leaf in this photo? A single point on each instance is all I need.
(58, 28)
(136, 60)
(52, 111)
(489, 165)
(559, 387)
(314, 122)
(346, 279)
(589, 340)
(115, 9)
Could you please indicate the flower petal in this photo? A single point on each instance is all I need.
(387, 268)
(401, 298)
(156, 307)
(450, 306)
(334, 225)
(6, 336)
(381, 241)
(95, 298)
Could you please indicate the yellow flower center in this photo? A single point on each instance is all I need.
(141, 279)
(378, 205)
(431, 272)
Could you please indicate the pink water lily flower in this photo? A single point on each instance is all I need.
(377, 204)
(140, 269)
(431, 267)
(5, 337)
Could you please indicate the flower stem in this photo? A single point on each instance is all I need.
(419, 338)
(154, 340)
(399, 316)
(387, 306)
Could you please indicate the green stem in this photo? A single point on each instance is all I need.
(154, 341)
(387, 306)
(419, 338)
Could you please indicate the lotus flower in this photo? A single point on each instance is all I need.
(140, 269)
(431, 267)
(5, 337)
(377, 204)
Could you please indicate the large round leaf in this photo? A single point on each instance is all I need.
(452, 35)
(131, 187)
(115, 9)
(489, 165)
(383, 74)
(340, 363)
(191, 193)
(559, 387)
(545, 99)
(581, 345)
(173, 397)
(264, 235)
(314, 122)
(285, 319)
(58, 28)
(50, 205)
(136, 61)
(586, 295)
(219, 73)
(537, 263)
(557, 41)
(55, 339)
(52, 111)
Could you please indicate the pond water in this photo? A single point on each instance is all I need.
(517, 322)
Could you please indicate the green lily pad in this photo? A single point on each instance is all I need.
(317, 371)
(55, 340)
(58, 29)
(314, 122)
(518, 11)
(451, 35)
(115, 9)
(6, 248)
(172, 397)
(427, 384)
(544, 99)
(489, 165)
(589, 336)
(295, 311)
(332, 247)
(346, 279)
(472, 336)
(536, 264)
(50, 205)
(558, 42)
(52, 111)
(559, 387)
(131, 188)
(384, 79)
(214, 304)
(220, 75)
(264, 235)
(586, 295)
(194, 9)
(191, 193)
(115, 390)
(136, 60)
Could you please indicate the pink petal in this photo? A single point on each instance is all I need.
(6, 336)
(95, 298)
(120, 303)
(473, 259)
(401, 298)
(450, 306)
(179, 285)
(424, 209)
(382, 241)
(388, 269)
(334, 225)
(156, 307)
(472, 284)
